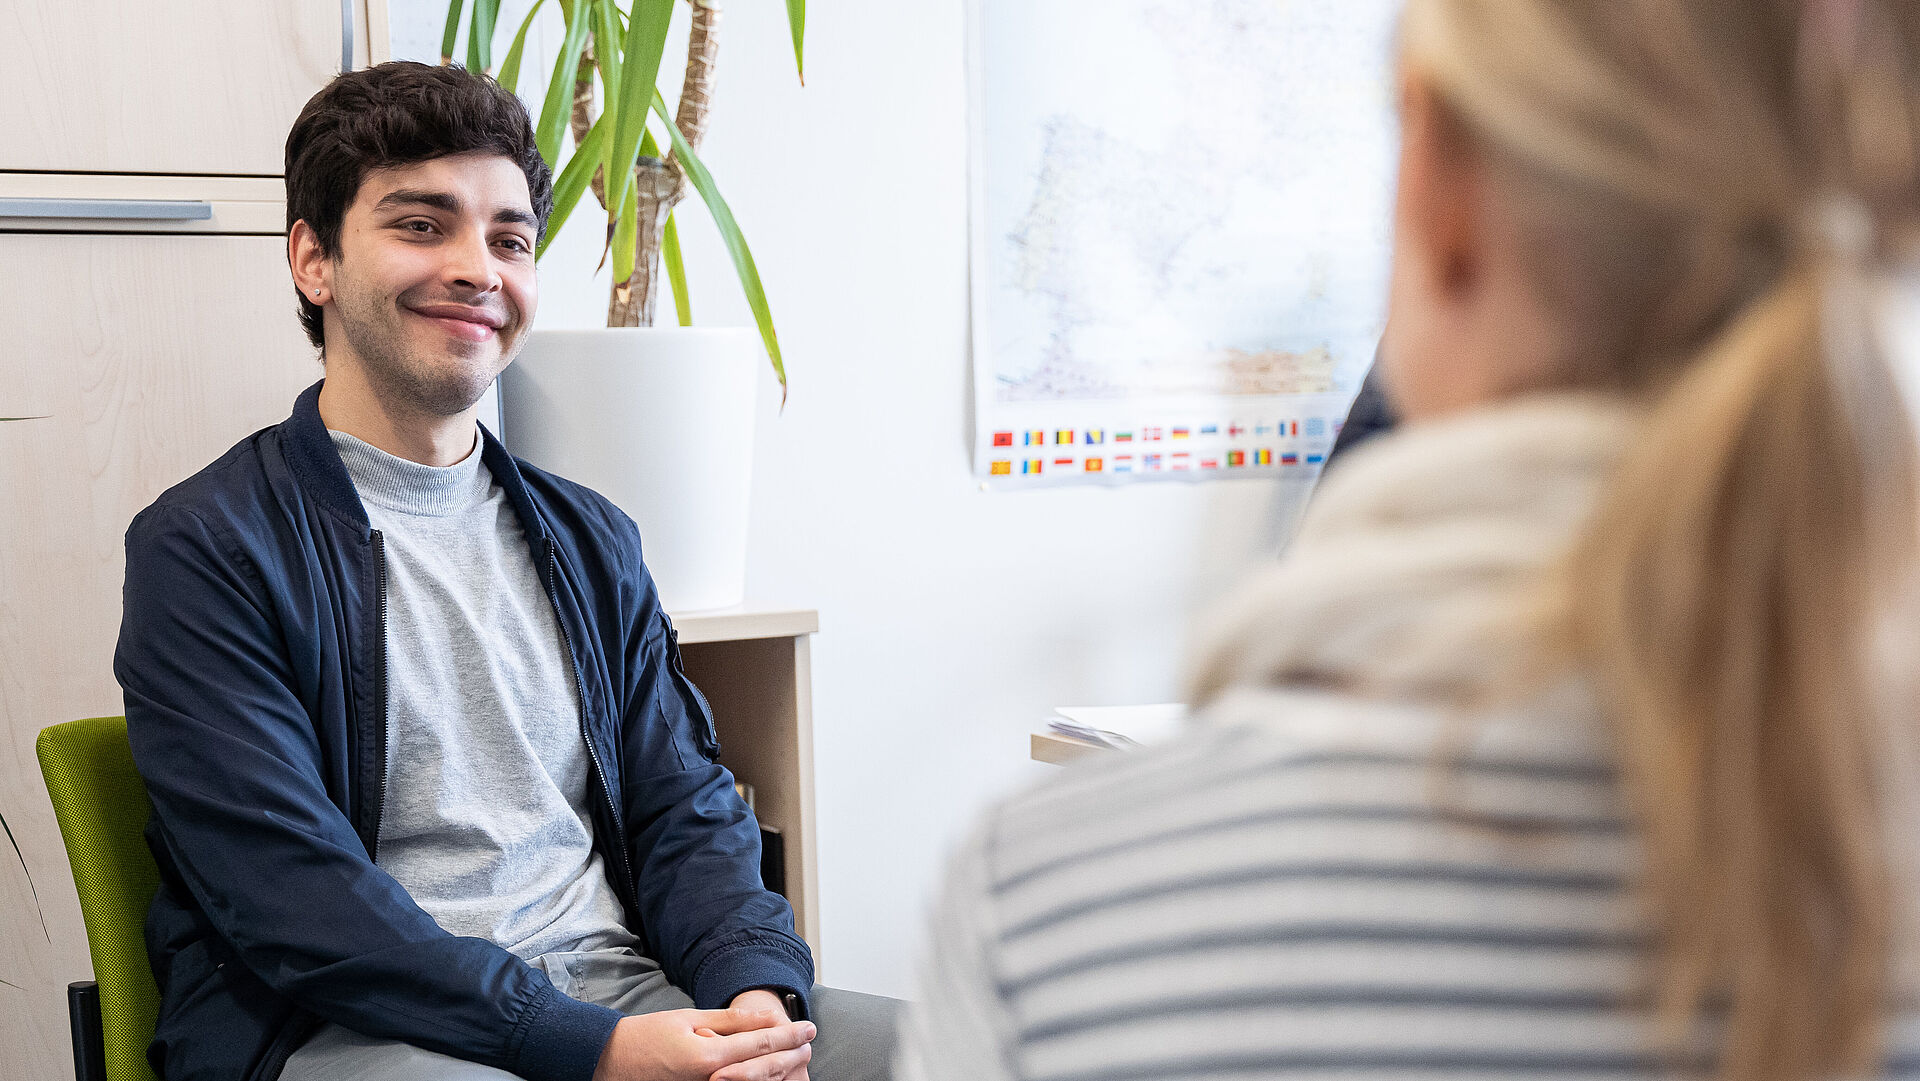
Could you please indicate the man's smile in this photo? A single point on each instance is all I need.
(462, 320)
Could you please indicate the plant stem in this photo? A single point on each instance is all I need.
(582, 119)
(662, 184)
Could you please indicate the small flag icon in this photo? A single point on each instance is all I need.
(1180, 461)
(1003, 439)
(1235, 431)
(1264, 429)
(1123, 437)
(1150, 435)
(1289, 459)
(1123, 463)
(1096, 435)
(1150, 463)
(1263, 456)
(1181, 433)
(1064, 435)
(1209, 463)
(1095, 465)
(1002, 468)
(1211, 429)
(1030, 466)
(1316, 459)
(1316, 426)
(1065, 463)
(1036, 438)
(1236, 459)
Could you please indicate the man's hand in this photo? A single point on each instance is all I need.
(761, 1009)
(698, 1045)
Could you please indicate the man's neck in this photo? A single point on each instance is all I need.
(348, 404)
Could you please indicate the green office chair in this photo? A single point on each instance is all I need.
(102, 808)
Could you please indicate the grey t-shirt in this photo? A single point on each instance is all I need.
(485, 820)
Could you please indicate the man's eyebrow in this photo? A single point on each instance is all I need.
(440, 200)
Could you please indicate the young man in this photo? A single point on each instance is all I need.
(432, 797)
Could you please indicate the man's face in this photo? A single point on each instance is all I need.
(433, 287)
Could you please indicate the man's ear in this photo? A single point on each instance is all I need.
(312, 270)
(1442, 181)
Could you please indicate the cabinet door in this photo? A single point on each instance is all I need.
(154, 354)
(165, 86)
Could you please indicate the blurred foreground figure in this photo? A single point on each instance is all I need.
(1573, 735)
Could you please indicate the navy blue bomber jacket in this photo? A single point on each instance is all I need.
(252, 657)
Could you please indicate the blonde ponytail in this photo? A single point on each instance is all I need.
(1718, 602)
(1662, 153)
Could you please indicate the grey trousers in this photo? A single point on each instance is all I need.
(855, 1042)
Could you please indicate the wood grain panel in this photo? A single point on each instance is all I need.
(157, 354)
(165, 86)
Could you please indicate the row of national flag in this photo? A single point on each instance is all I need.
(1153, 462)
(1311, 428)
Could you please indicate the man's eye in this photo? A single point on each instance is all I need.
(417, 226)
(516, 244)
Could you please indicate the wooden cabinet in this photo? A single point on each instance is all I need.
(756, 671)
(151, 355)
(169, 86)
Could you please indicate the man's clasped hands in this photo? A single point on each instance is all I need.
(751, 1040)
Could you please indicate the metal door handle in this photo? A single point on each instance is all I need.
(124, 209)
(346, 35)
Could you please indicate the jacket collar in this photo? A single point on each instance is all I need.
(317, 466)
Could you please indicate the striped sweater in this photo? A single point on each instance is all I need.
(1334, 874)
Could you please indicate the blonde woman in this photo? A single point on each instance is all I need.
(1568, 739)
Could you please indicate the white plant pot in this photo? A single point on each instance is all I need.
(659, 420)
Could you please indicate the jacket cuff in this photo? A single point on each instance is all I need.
(748, 966)
(563, 1039)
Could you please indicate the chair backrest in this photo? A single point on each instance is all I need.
(102, 808)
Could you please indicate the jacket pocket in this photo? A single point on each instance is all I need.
(698, 710)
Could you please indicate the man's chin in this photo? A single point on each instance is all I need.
(445, 388)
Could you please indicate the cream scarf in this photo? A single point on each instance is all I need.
(1410, 574)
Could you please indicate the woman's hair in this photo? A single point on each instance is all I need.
(1703, 187)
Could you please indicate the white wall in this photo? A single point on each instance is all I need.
(952, 620)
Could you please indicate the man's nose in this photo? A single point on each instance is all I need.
(470, 264)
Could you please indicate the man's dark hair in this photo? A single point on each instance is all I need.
(398, 113)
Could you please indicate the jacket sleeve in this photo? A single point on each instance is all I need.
(695, 845)
(231, 759)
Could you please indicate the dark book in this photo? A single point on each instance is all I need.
(773, 860)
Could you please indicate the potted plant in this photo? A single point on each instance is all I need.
(658, 419)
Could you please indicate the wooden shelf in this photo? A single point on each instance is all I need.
(732, 624)
(755, 667)
(1059, 750)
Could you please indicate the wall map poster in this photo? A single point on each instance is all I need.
(1181, 219)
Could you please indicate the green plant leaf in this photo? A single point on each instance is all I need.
(730, 234)
(640, 67)
(558, 107)
(676, 272)
(573, 181)
(480, 35)
(797, 21)
(606, 54)
(452, 32)
(625, 231)
(510, 71)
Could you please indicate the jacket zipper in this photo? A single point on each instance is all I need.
(296, 1029)
(380, 670)
(301, 1022)
(600, 774)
